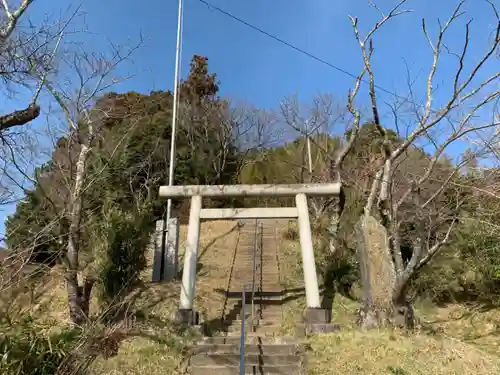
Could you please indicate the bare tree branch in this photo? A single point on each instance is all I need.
(12, 17)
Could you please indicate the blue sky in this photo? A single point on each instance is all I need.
(258, 69)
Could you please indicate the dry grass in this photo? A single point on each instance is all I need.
(154, 348)
(290, 262)
(469, 344)
(157, 350)
(386, 352)
(475, 325)
(139, 356)
(217, 246)
(46, 297)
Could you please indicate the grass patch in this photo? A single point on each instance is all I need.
(157, 348)
(475, 325)
(467, 341)
(154, 345)
(392, 352)
(290, 259)
(152, 350)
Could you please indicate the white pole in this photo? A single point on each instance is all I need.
(308, 139)
(309, 155)
(174, 109)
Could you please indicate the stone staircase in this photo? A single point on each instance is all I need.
(266, 351)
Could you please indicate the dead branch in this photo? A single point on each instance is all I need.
(12, 18)
(19, 117)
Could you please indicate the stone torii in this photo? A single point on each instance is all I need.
(314, 314)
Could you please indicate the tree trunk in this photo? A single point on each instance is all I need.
(330, 288)
(78, 295)
(334, 225)
(78, 298)
(405, 315)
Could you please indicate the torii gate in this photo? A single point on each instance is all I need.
(314, 313)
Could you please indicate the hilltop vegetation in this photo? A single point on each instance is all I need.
(129, 163)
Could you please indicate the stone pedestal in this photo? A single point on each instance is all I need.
(171, 250)
(317, 315)
(158, 251)
(316, 321)
(188, 317)
(166, 250)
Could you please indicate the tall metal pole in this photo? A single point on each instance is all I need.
(309, 154)
(308, 139)
(174, 109)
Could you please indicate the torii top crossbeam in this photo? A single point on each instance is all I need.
(283, 190)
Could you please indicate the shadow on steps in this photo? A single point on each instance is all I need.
(264, 302)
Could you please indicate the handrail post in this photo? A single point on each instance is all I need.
(242, 339)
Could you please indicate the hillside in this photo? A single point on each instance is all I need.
(463, 341)
(396, 173)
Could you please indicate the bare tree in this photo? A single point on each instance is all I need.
(253, 131)
(321, 127)
(23, 55)
(386, 208)
(84, 114)
(29, 56)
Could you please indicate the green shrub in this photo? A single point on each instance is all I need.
(28, 348)
(467, 270)
(122, 239)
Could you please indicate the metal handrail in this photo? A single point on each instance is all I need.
(261, 248)
(242, 339)
(243, 301)
(254, 266)
(277, 256)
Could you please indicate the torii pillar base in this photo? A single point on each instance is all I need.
(316, 320)
(187, 317)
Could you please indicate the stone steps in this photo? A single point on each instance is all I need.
(247, 267)
(260, 278)
(260, 329)
(249, 340)
(269, 291)
(218, 359)
(265, 349)
(248, 370)
(268, 286)
(266, 304)
(266, 315)
(266, 352)
(257, 322)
